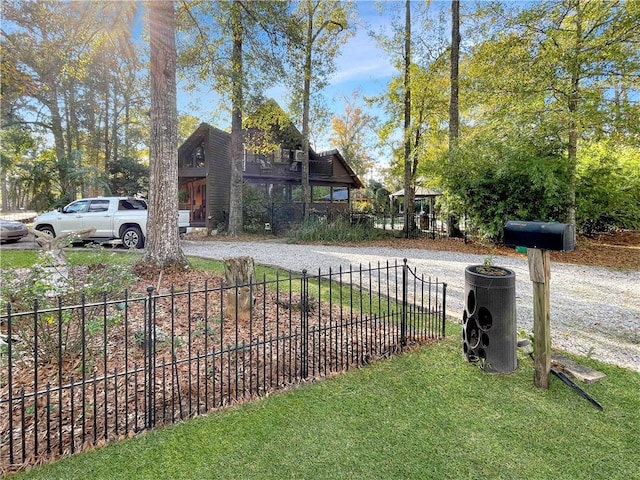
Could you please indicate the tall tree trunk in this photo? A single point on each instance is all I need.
(409, 198)
(127, 120)
(63, 163)
(305, 112)
(235, 190)
(4, 191)
(454, 121)
(107, 143)
(574, 95)
(454, 108)
(115, 141)
(163, 241)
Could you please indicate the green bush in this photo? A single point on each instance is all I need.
(255, 209)
(336, 229)
(608, 188)
(44, 287)
(492, 183)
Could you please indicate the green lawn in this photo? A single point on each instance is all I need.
(423, 415)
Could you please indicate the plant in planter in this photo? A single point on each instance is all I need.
(488, 268)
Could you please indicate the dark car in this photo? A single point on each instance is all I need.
(11, 232)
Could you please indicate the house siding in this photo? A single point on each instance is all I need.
(340, 174)
(218, 154)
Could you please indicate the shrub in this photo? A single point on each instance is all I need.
(492, 183)
(44, 287)
(254, 209)
(340, 228)
(608, 188)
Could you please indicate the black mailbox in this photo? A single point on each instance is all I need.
(542, 235)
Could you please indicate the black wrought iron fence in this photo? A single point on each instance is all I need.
(76, 376)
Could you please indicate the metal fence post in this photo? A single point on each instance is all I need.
(444, 308)
(10, 382)
(304, 326)
(405, 286)
(149, 347)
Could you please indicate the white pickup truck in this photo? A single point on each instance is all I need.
(114, 218)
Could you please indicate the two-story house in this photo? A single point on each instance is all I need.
(204, 170)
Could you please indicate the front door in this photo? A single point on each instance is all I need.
(195, 200)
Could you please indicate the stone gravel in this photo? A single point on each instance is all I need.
(594, 311)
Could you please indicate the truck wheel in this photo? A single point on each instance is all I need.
(47, 230)
(132, 238)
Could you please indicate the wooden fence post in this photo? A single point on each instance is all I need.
(540, 273)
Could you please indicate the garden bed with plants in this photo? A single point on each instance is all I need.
(88, 362)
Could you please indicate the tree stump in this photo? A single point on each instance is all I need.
(239, 272)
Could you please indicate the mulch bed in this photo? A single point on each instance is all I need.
(235, 376)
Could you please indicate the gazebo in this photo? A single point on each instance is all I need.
(424, 205)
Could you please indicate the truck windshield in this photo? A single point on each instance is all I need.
(132, 204)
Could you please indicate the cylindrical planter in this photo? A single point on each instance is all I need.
(489, 331)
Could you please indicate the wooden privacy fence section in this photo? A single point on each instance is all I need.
(77, 376)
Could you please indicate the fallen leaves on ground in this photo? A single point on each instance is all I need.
(618, 249)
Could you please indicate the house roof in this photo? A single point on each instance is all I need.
(273, 125)
(419, 192)
(357, 183)
(204, 128)
(289, 133)
(198, 135)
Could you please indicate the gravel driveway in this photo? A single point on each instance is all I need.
(594, 311)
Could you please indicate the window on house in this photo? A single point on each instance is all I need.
(195, 159)
(320, 193)
(265, 160)
(296, 193)
(198, 156)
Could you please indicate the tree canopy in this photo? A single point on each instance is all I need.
(544, 104)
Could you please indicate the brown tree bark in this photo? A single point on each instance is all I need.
(163, 240)
(239, 272)
(235, 190)
(454, 108)
(574, 95)
(306, 190)
(409, 197)
(454, 120)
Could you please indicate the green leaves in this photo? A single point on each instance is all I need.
(493, 182)
(609, 187)
(543, 82)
